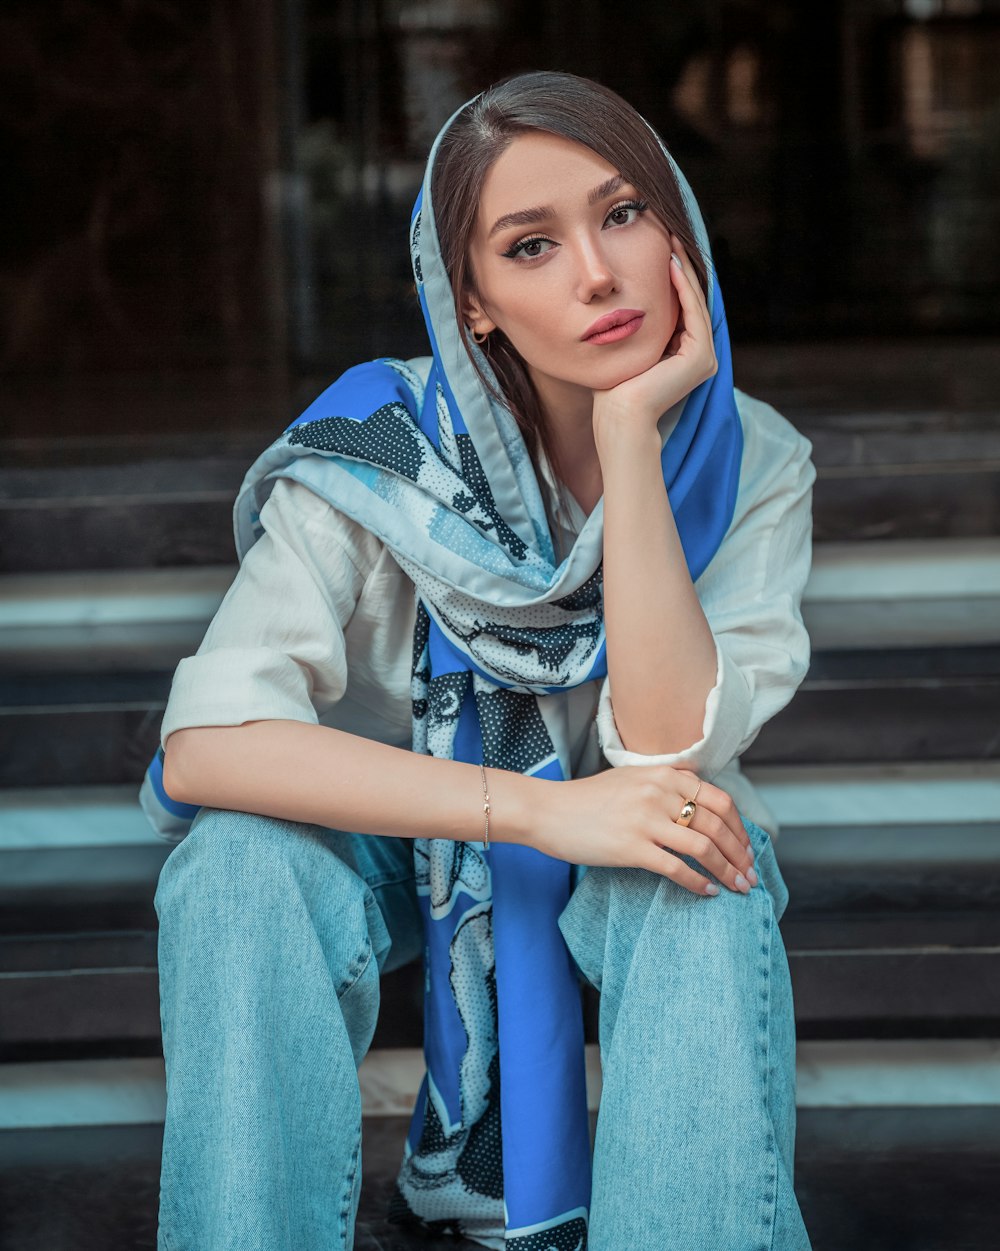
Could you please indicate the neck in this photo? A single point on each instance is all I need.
(568, 414)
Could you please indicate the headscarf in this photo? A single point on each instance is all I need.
(498, 1147)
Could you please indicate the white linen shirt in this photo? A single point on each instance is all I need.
(318, 624)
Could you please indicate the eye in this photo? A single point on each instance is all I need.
(625, 213)
(530, 248)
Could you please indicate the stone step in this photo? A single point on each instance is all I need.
(881, 1179)
(868, 1179)
(98, 818)
(92, 995)
(896, 594)
(897, 1146)
(892, 929)
(906, 662)
(147, 502)
(907, 1073)
(64, 728)
(64, 846)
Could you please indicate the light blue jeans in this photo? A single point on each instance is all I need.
(273, 936)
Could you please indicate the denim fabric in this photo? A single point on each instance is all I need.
(273, 935)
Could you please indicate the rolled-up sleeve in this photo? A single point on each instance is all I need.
(751, 594)
(275, 647)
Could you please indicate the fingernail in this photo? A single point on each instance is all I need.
(742, 883)
(751, 853)
(676, 260)
(711, 889)
(752, 877)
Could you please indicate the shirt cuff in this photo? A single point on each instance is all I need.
(232, 685)
(727, 719)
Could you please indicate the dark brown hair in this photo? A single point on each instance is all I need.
(559, 104)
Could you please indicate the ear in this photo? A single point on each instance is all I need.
(475, 316)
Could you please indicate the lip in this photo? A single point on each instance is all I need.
(614, 326)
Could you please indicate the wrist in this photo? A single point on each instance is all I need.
(637, 411)
(619, 440)
(516, 802)
(631, 465)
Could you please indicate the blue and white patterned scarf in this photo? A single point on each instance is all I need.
(499, 1146)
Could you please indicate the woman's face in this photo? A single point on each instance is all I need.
(563, 249)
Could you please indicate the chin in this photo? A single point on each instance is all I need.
(621, 370)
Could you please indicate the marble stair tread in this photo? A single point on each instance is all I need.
(897, 593)
(830, 1074)
(195, 527)
(76, 729)
(921, 989)
(901, 471)
(61, 842)
(798, 795)
(897, 1147)
(893, 923)
(860, 404)
(887, 936)
(867, 1178)
(890, 720)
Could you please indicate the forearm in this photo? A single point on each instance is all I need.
(316, 774)
(661, 653)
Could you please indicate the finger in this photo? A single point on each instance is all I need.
(675, 341)
(728, 849)
(689, 293)
(686, 283)
(712, 797)
(690, 842)
(686, 270)
(693, 320)
(664, 862)
(720, 802)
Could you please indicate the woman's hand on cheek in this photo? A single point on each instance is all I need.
(689, 359)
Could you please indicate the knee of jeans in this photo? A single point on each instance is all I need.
(612, 909)
(246, 859)
(279, 880)
(219, 846)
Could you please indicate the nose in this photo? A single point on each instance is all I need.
(595, 275)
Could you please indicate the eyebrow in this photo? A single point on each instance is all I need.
(528, 217)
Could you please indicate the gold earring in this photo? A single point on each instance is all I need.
(479, 339)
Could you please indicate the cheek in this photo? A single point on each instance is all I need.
(523, 316)
(667, 301)
(673, 308)
(527, 315)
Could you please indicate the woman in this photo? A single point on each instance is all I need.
(452, 568)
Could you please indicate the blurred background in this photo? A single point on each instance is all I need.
(213, 197)
(204, 221)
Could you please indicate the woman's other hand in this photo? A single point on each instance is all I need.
(689, 359)
(627, 818)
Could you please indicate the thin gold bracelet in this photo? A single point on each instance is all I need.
(486, 809)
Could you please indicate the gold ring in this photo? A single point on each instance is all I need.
(696, 790)
(687, 813)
